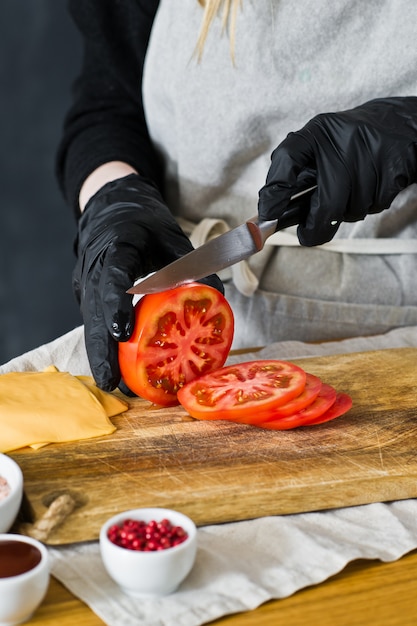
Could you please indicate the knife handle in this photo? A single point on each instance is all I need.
(296, 213)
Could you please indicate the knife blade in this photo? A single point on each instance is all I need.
(225, 250)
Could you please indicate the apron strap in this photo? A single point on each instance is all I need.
(246, 281)
(350, 246)
(243, 277)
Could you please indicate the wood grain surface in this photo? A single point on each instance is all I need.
(221, 472)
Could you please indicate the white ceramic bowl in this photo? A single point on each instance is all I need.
(9, 506)
(155, 573)
(21, 593)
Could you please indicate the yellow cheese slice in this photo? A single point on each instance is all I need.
(110, 403)
(37, 408)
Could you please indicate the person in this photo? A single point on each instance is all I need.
(191, 112)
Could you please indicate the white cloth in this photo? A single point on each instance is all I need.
(240, 565)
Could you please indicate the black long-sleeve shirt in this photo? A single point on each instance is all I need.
(106, 121)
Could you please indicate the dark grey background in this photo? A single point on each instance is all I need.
(40, 54)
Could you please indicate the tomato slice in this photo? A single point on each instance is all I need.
(238, 392)
(179, 334)
(325, 399)
(309, 394)
(342, 405)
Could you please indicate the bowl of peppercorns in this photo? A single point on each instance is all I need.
(148, 551)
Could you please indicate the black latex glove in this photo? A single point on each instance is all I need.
(125, 232)
(360, 160)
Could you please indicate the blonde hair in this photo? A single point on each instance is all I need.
(229, 9)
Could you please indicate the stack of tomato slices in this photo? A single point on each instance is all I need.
(176, 354)
(271, 394)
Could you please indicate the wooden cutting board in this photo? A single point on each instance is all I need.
(222, 472)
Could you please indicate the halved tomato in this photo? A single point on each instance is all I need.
(179, 334)
(238, 392)
(325, 399)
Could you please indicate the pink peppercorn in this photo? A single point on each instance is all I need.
(146, 537)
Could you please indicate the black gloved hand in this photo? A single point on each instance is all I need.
(360, 160)
(125, 232)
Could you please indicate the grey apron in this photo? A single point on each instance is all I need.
(216, 123)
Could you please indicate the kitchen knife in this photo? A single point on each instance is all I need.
(225, 250)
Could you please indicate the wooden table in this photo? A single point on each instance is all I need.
(365, 593)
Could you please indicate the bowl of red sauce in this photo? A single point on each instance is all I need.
(11, 491)
(24, 577)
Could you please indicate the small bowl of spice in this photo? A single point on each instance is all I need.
(149, 551)
(11, 491)
(24, 577)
